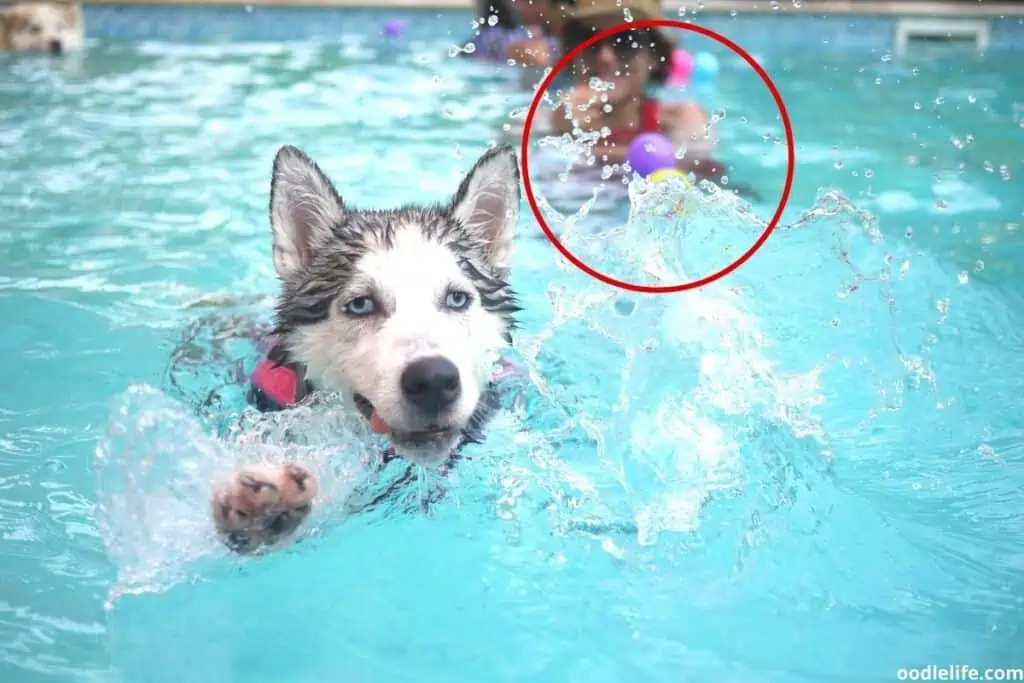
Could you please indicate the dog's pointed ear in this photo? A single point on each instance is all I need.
(304, 209)
(487, 203)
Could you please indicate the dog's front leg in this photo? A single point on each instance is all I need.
(262, 505)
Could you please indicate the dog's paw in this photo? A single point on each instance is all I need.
(263, 504)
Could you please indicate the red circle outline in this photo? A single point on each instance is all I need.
(790, 155)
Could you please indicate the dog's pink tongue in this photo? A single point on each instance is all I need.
(377, 424)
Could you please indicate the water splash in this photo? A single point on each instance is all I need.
(156, 464)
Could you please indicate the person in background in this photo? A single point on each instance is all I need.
(634, 62)
(526, 31)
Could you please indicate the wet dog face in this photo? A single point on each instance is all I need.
(41, 27)
(404, 311)
(262, 505)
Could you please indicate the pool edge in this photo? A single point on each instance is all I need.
(908, 8)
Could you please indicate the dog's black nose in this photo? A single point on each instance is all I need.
(431, 384)
(56, 46)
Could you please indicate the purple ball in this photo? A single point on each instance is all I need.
(650, 152)
(393, 27)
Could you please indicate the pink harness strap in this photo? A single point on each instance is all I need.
(278, 382)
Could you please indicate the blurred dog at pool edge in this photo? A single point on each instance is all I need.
(403, 312)
(54, 27)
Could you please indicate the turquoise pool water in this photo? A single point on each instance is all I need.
(815, 477)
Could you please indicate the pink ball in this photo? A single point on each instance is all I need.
(681, 68)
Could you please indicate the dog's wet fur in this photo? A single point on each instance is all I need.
(54, 27)
(402, 312)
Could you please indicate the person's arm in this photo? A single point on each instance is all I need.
(685, 124)
(530, 52)
(582, 101)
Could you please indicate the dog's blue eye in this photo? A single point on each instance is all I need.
(456, 300)
(360, 306)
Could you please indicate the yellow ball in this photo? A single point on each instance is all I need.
(666, 173)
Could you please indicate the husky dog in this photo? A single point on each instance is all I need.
(41, 27)
(403, 312)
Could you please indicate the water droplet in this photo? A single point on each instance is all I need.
(909, 232)
(917, 106)
(961, 277)
(915, 71)
(972, 99)
(837, 165)
(887, 57)
(725, 180)
(492, 20)
(1004, 171)
(868, 173)
(904, 269)
(743, 119)
(986, 451)
(248, 8)
(627, 15)
(774, 4)
(989, 167)
(733, 13)
(957, 142)
(797, 4)
(510, 62)
(979, 266)
(834, 322)
(941, 204)
(624, 306)
(458, 152)
(607, 108)
(940, 100)
(878, 80)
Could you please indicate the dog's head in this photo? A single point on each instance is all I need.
(404, 311)
(43, 26)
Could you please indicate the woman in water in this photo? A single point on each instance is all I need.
(630, 65)
(526, 31)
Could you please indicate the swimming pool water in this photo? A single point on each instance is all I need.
(815, 477)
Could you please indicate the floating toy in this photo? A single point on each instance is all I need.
(680, 69)
(705, 68)
(393, 27)
(650, 152)
(668, 173)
